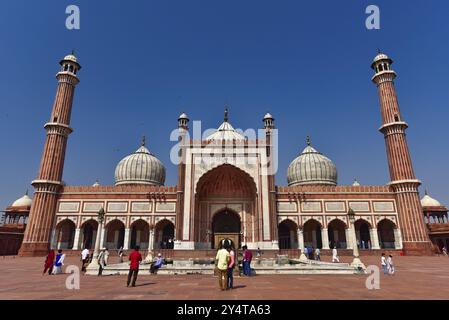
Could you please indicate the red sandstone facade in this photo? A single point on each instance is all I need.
(219, 195)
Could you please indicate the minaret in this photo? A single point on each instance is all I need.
(403, 181)
(268, 123)
(48, 184)
(183, 130)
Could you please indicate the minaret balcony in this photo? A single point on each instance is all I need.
(384, 76)
(397, 127)
(58, 129)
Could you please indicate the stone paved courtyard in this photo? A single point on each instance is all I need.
(416, 278)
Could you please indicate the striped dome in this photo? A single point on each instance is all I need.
(311, 167)
(141, 167)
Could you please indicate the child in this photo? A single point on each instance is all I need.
(390, 264)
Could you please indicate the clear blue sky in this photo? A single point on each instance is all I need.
(307, 62)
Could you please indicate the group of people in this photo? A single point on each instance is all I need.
(53, 263)
(312, 254)
(226, 261)
(169, 244)
(387, 264)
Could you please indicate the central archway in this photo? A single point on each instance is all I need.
(226, 202)
(226, 224)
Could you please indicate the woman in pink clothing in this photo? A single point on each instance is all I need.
(231, 266)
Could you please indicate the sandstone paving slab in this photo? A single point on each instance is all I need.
(416, 278)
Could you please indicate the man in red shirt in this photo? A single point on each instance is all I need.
(134, 259)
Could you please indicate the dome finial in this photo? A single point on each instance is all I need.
(226, 111)
(425, 192)
(308, 141)
(143, 141)
(26, 193)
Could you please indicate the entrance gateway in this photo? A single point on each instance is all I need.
(226, 225)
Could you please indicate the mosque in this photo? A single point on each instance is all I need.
(226, 188)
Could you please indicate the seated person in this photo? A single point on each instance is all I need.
(155, 265)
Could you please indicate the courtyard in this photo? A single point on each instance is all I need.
(416, 278)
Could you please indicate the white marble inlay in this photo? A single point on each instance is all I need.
(359, 205)
(117, 206)
(311, 206)
(287, 206)
(166, 207)
(387, 206)
(141, 206)
(69, 206)
(92, 206)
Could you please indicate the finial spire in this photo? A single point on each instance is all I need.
(379, 51)
(425, 192)
(143, 141)
(226, 113)
(26, 193)
(308, 141)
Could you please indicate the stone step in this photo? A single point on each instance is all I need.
(185, 267)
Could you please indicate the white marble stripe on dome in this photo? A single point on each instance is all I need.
(311, 167)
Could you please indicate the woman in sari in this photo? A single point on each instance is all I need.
(49, 260)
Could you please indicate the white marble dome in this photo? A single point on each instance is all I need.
(24, 201)
(380, 56)
(428, 201)
(71, 57)
(311, 167)
(141, 167)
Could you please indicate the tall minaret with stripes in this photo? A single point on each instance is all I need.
(37, 236)
(403, 181)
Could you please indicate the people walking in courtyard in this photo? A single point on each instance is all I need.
(49, 261)
(258, 255)
(59, 262)
(221, 262)
(120, 255)
(444, 250)
(134, 260)
(317, 254)
(335, 255)
(391, 268)
(157, 264)
(247, 258)
(231, 266)
(306, 252)
(383, 263)
(84, 259)
(103, 260)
